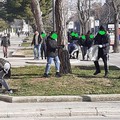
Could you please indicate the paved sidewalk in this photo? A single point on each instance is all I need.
(59, 109)
(25, 61)
(15, 42)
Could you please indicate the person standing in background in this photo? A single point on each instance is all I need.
(5, 42)
(37, 41)
(43, 45)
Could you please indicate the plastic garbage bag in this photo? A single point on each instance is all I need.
(93, 53)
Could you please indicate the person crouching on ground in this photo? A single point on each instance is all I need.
(52, 54)
(5, 71)
(103, 42)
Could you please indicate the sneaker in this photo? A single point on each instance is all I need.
(1, 90)
(0, 86)
(96, 72)
(38, 58)
(57, 74)
(106, 74)
(10, 91)
(45, 75)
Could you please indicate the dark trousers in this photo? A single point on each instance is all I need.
(0, 85)
(8, 75)
(43, 51)
(84, 51)
(2, 81)
(104, 58)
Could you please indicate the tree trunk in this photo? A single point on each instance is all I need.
(116, 43)
(84, 29)
(116, 23)
(37, 15)
(84, 14)
(62, 37)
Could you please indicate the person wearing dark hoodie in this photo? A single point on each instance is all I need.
(82, 42)
(89, 42)
(52, 54)
(103, 41)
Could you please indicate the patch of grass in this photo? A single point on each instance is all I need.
(26, 44)
(28, 52)
(29, 81)
(25, 52)
(27, 41)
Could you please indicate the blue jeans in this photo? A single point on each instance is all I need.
(37, 51)
(49, 62)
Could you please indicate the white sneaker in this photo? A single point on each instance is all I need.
(10, 91)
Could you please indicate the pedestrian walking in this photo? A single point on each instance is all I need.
(103, 41)
(37, 41)
(18, 32)
(52, 54)
(5, 42)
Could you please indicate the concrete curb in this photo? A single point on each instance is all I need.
(36, 99)
(102, 97)
(14, 54)
(6, 98)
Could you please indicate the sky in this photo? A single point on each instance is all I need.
(103, 1)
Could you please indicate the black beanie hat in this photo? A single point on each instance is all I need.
(102, 28)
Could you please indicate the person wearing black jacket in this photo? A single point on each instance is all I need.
(103, 41)
(83, 45)
(37, 41)
(43, 49)
(89, 42)
(5, 42)
(52, 54)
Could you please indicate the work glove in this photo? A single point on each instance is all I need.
(100, 46)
